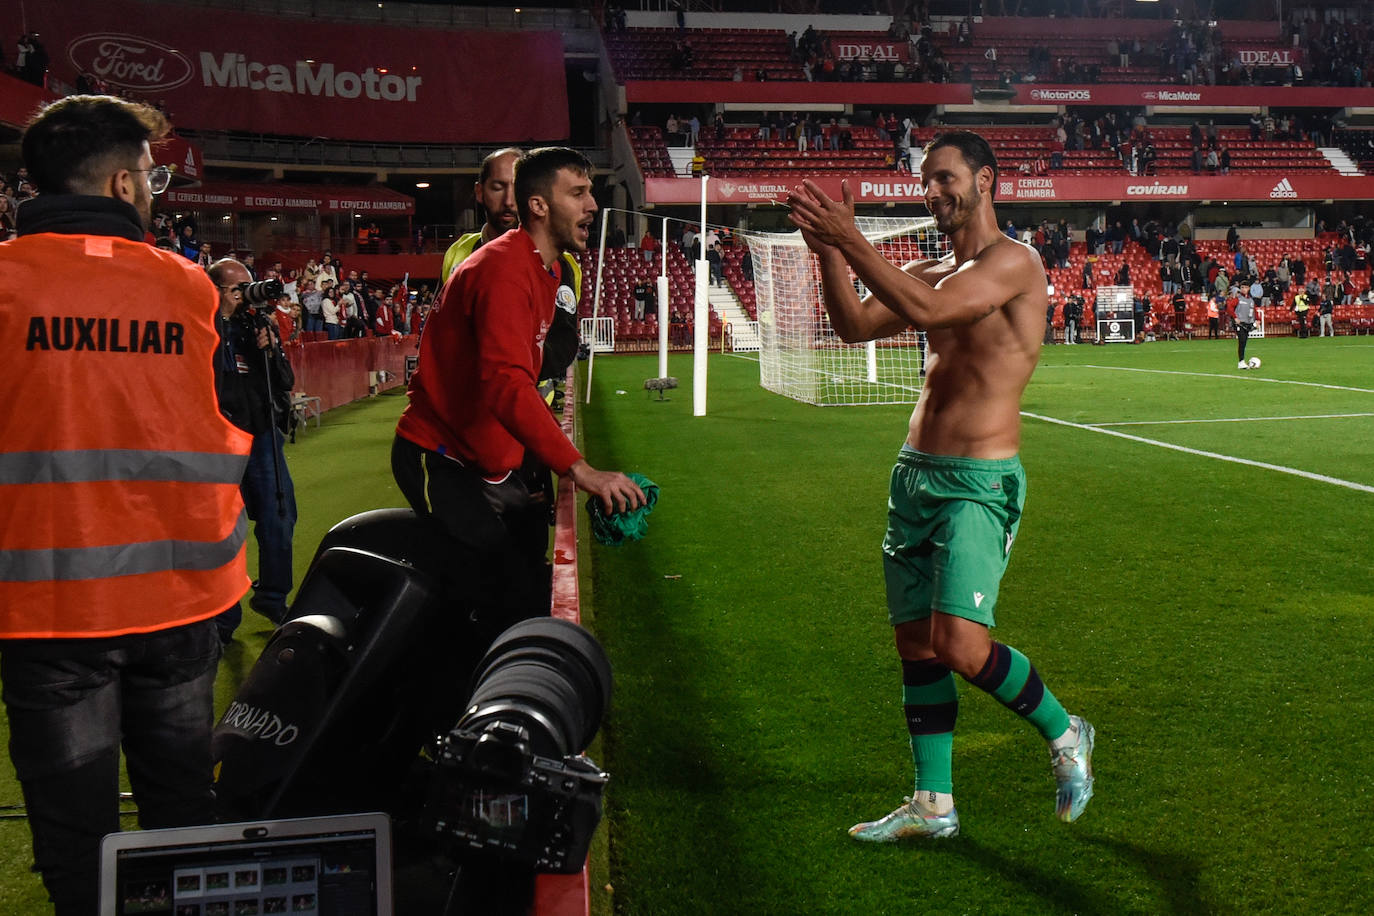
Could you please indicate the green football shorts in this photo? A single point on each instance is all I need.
(950, 526)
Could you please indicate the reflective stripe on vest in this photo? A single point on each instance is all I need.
(68, 564)
(120, 464)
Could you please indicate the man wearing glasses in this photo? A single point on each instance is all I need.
(121, 526)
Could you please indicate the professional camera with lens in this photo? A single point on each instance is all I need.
(389, 689)
(510, 780)
(260, 292)
(248, 316)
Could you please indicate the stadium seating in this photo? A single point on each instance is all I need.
(648, 54)
(624, 269)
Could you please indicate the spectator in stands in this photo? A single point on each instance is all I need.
(311, 306)
(1212, 163)
(7, 221)
(1169, 277)
(1116, 237)
(31, 63)
(329, 311)
(643, 292)
(384, 320)
(648, 246)
(1123, 274)
(350, 312)
(715, 259)
(190, 245)
(746, 265)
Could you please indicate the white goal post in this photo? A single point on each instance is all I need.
(800, 355)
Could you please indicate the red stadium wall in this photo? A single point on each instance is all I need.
(337, 371)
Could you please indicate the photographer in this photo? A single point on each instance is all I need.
(253, 381)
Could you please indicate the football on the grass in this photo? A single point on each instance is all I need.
(1254, 362)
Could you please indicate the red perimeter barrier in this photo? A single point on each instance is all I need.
(339, 371)
(565, 895)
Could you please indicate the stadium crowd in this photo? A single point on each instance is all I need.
(320, 301)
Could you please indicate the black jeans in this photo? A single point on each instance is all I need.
(71, 702)
(510, 544)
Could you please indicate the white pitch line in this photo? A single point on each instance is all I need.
(1215, 375)
(1320, 478)
(1319, 416)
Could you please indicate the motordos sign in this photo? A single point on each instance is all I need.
(130, 62)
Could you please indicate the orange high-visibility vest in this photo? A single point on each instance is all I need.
(119, 478)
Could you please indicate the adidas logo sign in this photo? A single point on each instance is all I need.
(1283, 189)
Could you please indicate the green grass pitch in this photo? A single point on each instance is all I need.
(1200, 591)
(1212, 618)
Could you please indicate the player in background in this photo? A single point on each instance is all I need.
(958, 488)
(1245, 323)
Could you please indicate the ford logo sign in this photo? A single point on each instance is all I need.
(130, 62)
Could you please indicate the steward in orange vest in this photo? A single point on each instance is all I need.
(121, 511)
(121, 527)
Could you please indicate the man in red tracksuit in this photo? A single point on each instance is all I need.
(474, 408)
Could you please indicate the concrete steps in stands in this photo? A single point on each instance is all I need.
(743, 332)
(1339, 160)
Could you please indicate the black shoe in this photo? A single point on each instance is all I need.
(273, 612)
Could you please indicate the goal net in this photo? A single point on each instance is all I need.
(800, 355)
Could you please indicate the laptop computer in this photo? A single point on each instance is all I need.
(325, 866)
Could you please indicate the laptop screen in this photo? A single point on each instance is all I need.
(323, 866)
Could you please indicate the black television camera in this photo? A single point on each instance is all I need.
(387, 689)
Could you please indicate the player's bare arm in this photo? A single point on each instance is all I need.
(983, 283)
(854, 320)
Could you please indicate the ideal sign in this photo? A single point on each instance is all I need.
(1265, 56)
